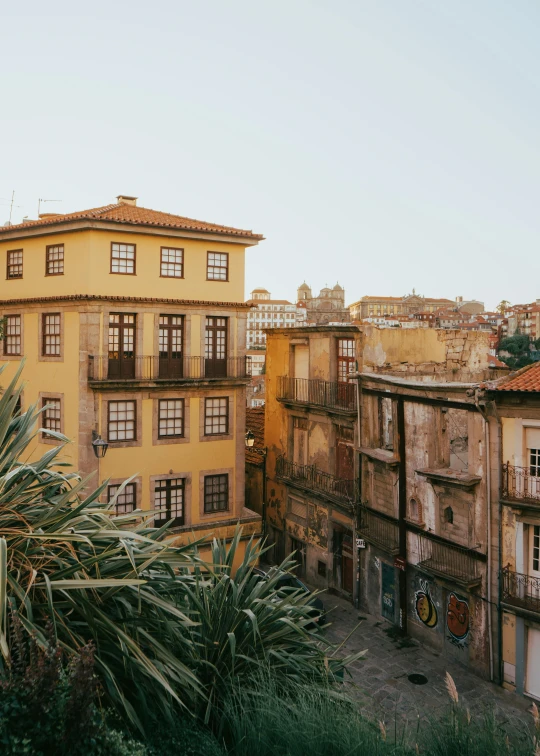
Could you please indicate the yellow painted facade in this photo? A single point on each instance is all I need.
(87, 297)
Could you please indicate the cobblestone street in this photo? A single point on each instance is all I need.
(380, 681)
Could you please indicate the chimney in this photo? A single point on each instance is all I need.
(123, 199)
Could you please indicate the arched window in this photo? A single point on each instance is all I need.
(449, 515)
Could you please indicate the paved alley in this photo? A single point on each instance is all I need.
(381, 684)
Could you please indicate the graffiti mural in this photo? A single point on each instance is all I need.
(426, 611)
(457, 620)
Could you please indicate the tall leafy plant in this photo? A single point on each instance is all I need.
(170, 632)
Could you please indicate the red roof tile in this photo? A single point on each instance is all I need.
(255, 423)
(134, 216)
(526, 379)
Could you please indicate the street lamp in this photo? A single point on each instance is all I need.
(99, 445)
(250, 441)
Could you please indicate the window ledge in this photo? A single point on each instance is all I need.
(450, 477)
(381, 455)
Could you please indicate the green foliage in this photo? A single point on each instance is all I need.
(298, 719)
(183, 738)
(245, 624)
(169, 631)
(271, 717)
(48, 706)
(516, 344)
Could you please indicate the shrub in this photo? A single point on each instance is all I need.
(48, 705)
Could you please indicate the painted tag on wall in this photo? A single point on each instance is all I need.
(388, 591)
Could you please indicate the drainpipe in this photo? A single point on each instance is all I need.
(485, 418)
(402, 514)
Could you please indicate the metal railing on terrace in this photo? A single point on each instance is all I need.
(329, 394)
(378, 529)
(448, 560)
(312, 479)
(520, 483)
(521, 590)
(151, 367)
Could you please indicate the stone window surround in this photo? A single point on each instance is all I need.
(122, 396)
(187, 476)
(171, 394)
(217, 394)
(118, 482)
(14, 356)
(42, 397)
(226, 513)
(51, 357)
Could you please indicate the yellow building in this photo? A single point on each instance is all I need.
(133, 326)
(517, 400)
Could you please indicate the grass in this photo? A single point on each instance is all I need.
(274, 718)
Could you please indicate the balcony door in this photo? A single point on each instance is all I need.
(346, 363)
(121, 345)
(215, 348)
(533, 585)
(171, 340)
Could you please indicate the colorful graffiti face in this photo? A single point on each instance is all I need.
(426, 610)
(457, 617)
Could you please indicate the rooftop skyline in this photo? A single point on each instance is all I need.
(386, 146)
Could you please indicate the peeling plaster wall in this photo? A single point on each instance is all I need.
(424, 350)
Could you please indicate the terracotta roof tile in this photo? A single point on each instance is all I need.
(255, 423)
(136, 216)
(526, 379)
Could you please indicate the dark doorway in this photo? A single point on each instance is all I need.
(121, 345)
(343, 560)
(171, 339)
(299, 547)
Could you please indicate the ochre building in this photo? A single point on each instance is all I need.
(133, 328)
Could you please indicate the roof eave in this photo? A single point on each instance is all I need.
(84, 224)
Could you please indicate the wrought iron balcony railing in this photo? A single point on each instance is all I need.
(151, 367)
(312, 479)
(521, 483)
(328, 394)
(521, 590)
(375, 528)
(448, 560)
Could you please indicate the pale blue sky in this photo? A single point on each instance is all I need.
(387, 144)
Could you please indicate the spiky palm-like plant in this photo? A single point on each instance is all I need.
(169, 631)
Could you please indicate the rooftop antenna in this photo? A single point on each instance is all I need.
(45, 200)
(11, 206)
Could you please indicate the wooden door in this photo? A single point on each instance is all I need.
(121, 345)
(171, 332)
(216, 348)
(300, 441)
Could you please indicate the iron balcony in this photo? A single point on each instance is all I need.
(104, 368)
(378, 529)
(520, 484)
(331, 395)
(447, 560)
(309, 478)
(520, 591)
